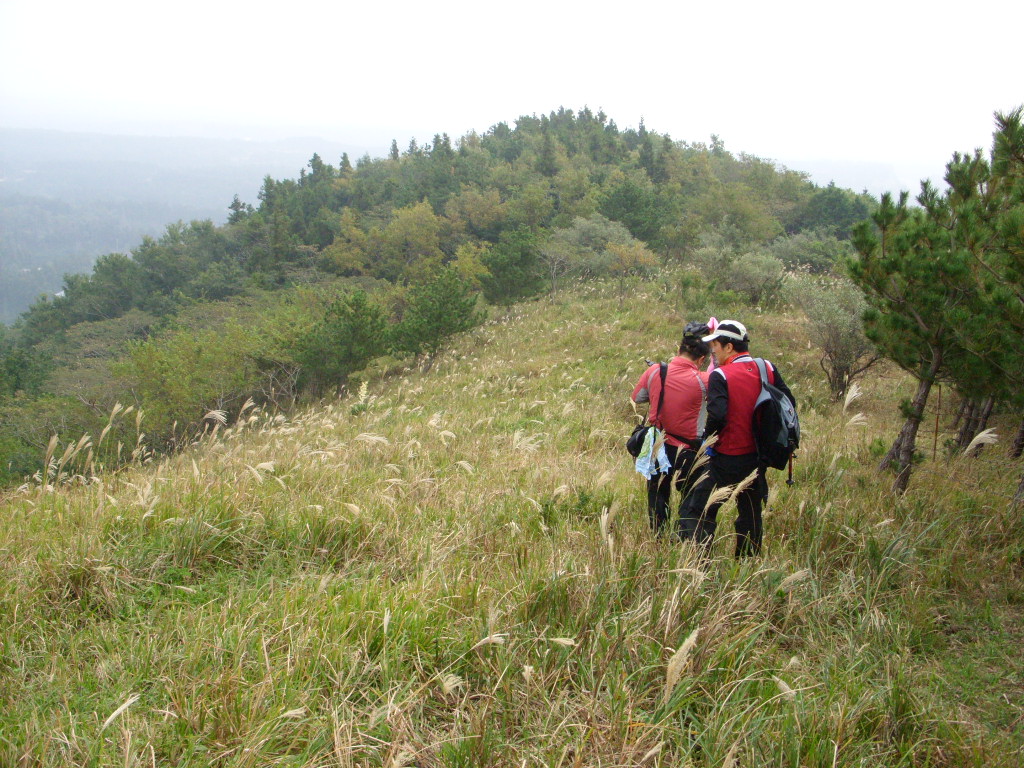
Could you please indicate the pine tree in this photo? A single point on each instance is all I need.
(646, 156)
(946, 285)
(436, 310)
(660, 169)
(239, 211)
(547, 160)
(513, 267)
(918, 285)
(352, 333)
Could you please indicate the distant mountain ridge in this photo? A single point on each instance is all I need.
(67, 197)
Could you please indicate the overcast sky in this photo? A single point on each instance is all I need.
(875, 94)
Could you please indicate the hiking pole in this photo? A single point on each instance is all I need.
(789, 480)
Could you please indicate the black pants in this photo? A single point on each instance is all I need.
(659, 487)
(698, 519)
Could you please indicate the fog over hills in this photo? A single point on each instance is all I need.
(69, 197)
(66, 198)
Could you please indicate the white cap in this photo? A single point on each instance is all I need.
(729, 329)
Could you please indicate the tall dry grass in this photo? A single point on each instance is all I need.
(454, 569)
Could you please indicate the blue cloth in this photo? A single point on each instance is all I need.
(652, 462)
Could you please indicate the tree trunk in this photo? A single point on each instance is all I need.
(964, 403)
(982, 422)
(893, 453)
(908, 435)
(968, 420)
(1018, 443)
(986, 412)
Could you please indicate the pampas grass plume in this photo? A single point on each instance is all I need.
(678, 663)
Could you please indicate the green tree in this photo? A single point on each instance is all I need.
(547, 157)
(409, 248)
(983, 212)
(435, 311)
(645, 156)
(239, 211)
(352, 333)
(348, 252)
(635, 203)
(834, 307)
(831, 209)
(532, 207)
(513, 267)
(919, 285)
(480, 212)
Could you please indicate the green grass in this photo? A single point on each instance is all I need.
(457, 572)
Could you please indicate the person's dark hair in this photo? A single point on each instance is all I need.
(738, 346)
(691, 345)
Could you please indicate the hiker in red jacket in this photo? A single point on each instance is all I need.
(679, 413)
(733, 388)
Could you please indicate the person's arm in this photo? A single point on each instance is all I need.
(781, 385)
(642, 390)
(718, 404)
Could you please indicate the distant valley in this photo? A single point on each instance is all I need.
(67, 198)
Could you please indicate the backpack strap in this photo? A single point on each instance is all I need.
(763, 369)
(702, 417)
(661, 396)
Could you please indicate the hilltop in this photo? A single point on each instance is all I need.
(452, 568)
(248, 308)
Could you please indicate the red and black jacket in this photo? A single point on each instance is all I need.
(732, 392)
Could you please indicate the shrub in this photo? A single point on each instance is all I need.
(352, 333)
(834, 306)
(595, 247)
(816, 251)
(757, 276)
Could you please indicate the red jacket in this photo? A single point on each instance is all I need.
(684, 397)
(732, 392)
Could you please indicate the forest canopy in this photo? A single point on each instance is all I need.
(492, 218)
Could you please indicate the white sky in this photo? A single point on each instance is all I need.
(879, 91)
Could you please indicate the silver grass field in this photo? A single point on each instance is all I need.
(454, 569)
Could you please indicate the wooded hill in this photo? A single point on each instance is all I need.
(347, 263)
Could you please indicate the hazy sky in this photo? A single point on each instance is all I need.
(876, 94)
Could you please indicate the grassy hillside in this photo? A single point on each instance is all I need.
(454, 569)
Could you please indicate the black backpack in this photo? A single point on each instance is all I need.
(776, 426)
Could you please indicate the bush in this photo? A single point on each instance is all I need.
(815, 251)
(834, 306)
(352, 333)
(757, 276)
(179, 376)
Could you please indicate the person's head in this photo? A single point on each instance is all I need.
(729, 338)
(693, 346)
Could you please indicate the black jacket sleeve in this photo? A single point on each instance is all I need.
(718, 405)
(781, 385)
